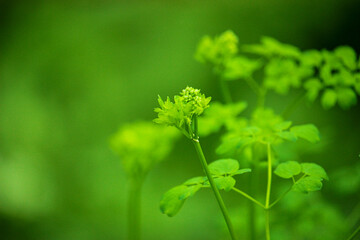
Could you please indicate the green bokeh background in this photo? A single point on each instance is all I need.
(71, 72)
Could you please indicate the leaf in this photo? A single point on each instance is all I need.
(282, 126)
(288, 169)
(171, 203)
(308, 132)
(308, 184)
(347, 55)
(313, 86)
(311, 58)
(329, 98)
(346, 97)
(286, 135)
(240, 67)
(190, 191)
(195, 181)
(314, 170)
(224, 166)
(225, 183)
(241, 171)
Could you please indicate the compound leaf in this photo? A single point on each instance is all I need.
(347, 56)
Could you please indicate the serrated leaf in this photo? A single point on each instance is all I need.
(308, 132)
(329, 98)
(241, 171)
(286, 135)
(288, 169)
(225, 183)
(308, 184)
(346, 97)
(347, 56)
(171, 203)
(314, 170)
(224, 166)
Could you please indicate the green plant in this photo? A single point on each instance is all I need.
(256, 141)
(140, 145)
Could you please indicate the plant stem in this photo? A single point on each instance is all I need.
(281, 197)
(252, 188)
(357, 230)
(253, 85)
(214, 188)
(268, 191)
(133, 209)
(225, 91)
(249, 197)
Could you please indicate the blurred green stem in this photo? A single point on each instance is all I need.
(225, 91)
(292, 106)
(353, 235)
(133, 209)
(214, 188)
(268, 191)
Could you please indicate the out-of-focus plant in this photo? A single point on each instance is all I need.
(332, 75)
(140, 145)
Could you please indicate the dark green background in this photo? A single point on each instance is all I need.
(71, 72)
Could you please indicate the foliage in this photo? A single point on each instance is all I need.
(141, 145)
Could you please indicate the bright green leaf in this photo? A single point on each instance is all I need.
(282, 126)
(241, 171)
(190, 191)
(329, 98)
(308, 184)
(346, 97)
(225, 183)
(347, 55)
(314, 170)
(308, 132)
(195, 181)
(286, 135)
(288, 169)
(224, 166)
(171, 203)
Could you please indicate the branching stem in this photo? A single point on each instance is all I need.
(214, 188)
(249, 197)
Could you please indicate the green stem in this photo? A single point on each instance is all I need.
(281, 197)
(225, 91)
(357, 230)
(214, 188)
(268, 191)
(249, 197)
(253, 85)
(133, 209)
(252, 188)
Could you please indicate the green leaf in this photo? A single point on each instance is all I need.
(190, 191)
(313, 86)
(195, 181)
(347, 55)
(346, 97)
(314, 170)
(171, 203)
(241, 171)
(225, 183)
(286, 135)
(311, 58)
(240, 67)
(308, 184)
(282, 125)
(224, 166)
(308, 132)
(329, 98)
(288, 169)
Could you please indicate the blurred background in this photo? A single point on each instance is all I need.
(72, 72)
